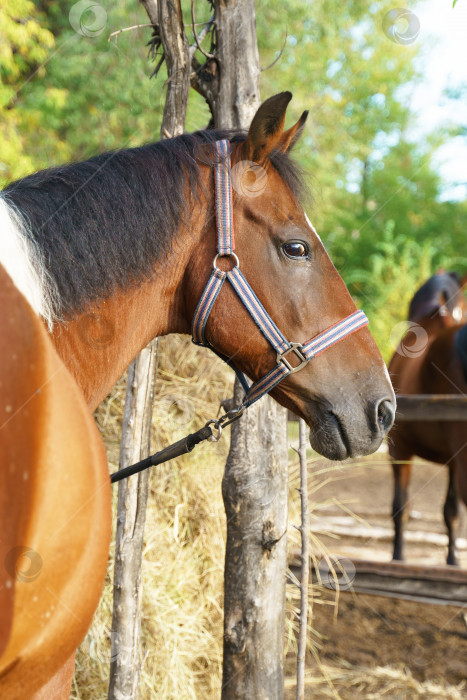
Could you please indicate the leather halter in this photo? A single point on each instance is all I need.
(284, 349)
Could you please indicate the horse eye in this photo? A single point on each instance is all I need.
(295, 249)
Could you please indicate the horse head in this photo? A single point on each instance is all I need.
(440, 303)
(344, 394)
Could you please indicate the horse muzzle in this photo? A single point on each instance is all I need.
(350, 430)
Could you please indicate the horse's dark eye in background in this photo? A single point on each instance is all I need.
(295, 249)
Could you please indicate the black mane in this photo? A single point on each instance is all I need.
(103, 224)
(431, 295)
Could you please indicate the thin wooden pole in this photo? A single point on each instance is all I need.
(131, 516)
(133, 493)
(305, 557)
(255, 480)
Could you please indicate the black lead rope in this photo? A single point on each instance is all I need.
(181, 447)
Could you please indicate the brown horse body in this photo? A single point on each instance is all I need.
(435, 368)
(344, 395)
(55, 508)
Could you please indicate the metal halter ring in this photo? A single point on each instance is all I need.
(216, 426)
(225, 255)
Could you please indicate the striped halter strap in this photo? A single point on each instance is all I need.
(225, 248)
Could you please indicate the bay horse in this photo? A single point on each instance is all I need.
(118, 249)
(54, 508)
(429, 360)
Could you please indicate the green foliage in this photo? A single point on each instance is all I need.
(24, 45)
(66, 93)
(396, 266)
(86, 102)
(93, 94)
(25, 42)
(377, 195)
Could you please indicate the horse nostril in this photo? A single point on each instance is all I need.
(385, 412)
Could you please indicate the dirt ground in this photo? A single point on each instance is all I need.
(427, 641)
(365, 489)
(431, 640)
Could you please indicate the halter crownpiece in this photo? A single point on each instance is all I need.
(284, 349)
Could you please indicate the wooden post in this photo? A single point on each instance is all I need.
(166, 15)
(136, 430)
(238, 94)
(255, 497)
(254, 486)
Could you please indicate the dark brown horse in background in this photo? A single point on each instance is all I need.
(112, 252)
(431, 359)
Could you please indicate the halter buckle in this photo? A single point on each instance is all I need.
(297, 349)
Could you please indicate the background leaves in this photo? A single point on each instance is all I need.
(378, 200)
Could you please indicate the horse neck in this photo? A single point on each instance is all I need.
(98, 345)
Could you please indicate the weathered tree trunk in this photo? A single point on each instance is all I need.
(254, 486)
(255, 496)
(238, 95)
(136, 431)
(131, 516)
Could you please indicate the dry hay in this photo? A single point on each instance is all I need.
(181, 623)
(348, 683)
(183, 560)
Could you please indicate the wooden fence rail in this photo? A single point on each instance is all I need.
(413, 407)
(425, 584)
(431, 407)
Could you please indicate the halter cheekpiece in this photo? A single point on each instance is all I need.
(284, 349)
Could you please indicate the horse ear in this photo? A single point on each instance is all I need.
(266, 127)
(290, 137)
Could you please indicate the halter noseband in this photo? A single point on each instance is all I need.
(284, 349)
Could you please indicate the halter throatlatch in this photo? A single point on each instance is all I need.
(283, 348)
